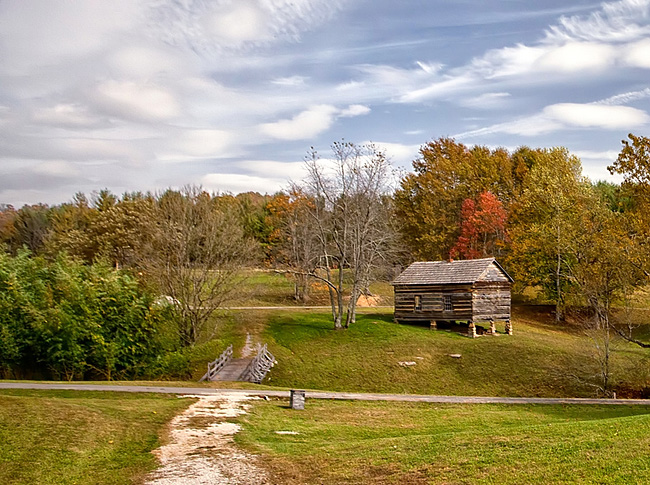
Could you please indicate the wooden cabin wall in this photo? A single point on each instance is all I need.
(486, 301)
(491, 301)
(432, 300)
(494, 274)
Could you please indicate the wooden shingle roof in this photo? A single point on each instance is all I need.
(447, 272)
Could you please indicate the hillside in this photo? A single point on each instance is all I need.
(540, 359)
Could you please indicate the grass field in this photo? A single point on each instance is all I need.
(536, 361)
(361, 442)
(268, 288)
(55, 437)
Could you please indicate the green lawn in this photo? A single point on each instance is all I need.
(364, 442)
(538, 360)
(55, 437)
(269, 288)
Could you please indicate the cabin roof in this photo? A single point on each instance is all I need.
(467, 271)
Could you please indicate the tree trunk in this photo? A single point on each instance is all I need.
(352, 307)
(339, 300)
(558, 284)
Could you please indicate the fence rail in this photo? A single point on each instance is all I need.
(259, 366)
(218, 364)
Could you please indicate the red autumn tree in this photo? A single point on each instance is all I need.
(482, 229)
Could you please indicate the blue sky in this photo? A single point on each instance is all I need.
(230, 94)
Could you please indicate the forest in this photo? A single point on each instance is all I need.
(117, 286)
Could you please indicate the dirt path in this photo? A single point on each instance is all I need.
(201, 448)
(249, 349)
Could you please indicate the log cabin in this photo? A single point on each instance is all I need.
(472, 291)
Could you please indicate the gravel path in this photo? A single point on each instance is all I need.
(201, 448)
(356, 396)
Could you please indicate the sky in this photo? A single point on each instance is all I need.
(142, 95)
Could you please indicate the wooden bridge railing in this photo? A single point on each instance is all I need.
(218, 364)
(260, 366)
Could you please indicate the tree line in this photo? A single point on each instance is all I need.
(354, 219)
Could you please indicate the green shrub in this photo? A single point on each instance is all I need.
(63, 319)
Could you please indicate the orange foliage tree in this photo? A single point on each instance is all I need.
(483, 228)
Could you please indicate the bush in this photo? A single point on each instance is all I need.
(63, 319)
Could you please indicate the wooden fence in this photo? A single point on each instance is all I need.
(259, 366)
(218, 364)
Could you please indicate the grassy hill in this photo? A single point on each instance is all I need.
(541, 359)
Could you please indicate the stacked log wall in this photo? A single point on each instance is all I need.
(488, 299)
(432, 302)
(491, 302)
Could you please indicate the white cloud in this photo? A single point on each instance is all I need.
(56, 168)
(597, 116)
(66, 115)
(439, 89)
(577, 57)
(238, 22)
(615, 22)
(237, 183)
(504, 62)
(204, 143)
(91, 149)
(568, 115)
(389, 81)
(145, 62)
(594, 164)
(354, 110)
(311, 122)
(609, 155)
(215, 27)
(275, 170)
(136, 100)
(625, 98)
(430, 67)
(290, 81)
(41, 33)
(304, 125)
(637, 54)
(398, 153)
(486, 101)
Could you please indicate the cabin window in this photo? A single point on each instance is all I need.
(447, 302)
(417, 305)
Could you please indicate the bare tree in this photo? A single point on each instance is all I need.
(301, 242)
(350, 213)
(195, 257)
